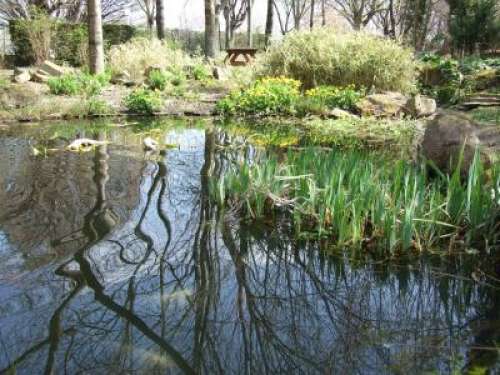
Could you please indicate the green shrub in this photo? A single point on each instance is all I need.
(329, 57)
(67, 84)
(177, 76)
(158, 80)
(266, 96)
(69, 41)
(72, 84)
(200, 72)
(335, 97)
(440, 78)
(143, 101)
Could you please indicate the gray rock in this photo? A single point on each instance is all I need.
(51, 69)
(387, 104)
(40, 77)
(22, 77)
(447, 135)
(338, 113)
(420, 106)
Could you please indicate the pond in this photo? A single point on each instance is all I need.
(115, 261)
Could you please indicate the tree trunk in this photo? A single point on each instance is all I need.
(160, 19)
(210, 30)
(96, 45)
(311, 18)
(269, 22)
(323, 12)
(249, 23)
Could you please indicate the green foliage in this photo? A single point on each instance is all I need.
(335, 97)
(68, 40)
(158, 80)
(440, 78)
(73, 84)
(67, 84)
(330, 57)
(487, 115)
(32, 38)
(474, 23)
(367, 201)
(201, 72)
(143, 101)
(266, 96)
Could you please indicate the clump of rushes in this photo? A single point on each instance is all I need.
(143, 101)
(364, 201)
(76, 84)
(265, 96)
(157, 80)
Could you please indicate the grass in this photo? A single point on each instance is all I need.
(487, 115)
(360, 200)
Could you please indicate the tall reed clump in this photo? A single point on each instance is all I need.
(330, 57)
(368, 202)
(138, 54)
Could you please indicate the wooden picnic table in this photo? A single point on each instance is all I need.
(233, 54)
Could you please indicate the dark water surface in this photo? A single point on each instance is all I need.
(116, 262)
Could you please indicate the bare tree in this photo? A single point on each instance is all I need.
(290, 13)
(148, 7)
(96, 44)
(211, 40)
(359, 12)
(249, 23)
(269, 21)
(235, 12)
(160, 18)
(311, 16)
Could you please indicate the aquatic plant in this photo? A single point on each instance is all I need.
(368, 201)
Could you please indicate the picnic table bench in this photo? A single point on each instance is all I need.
(233, 54)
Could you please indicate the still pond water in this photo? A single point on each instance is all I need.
(116, 262)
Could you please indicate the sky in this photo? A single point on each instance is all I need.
(189, 14)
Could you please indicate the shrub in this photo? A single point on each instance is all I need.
(140, 53)
(72, 84)
(32, 38)
(335, 97)
(200, 72)
(329, 57)
(266, 96)
(143, 101)
(440, 78)
(69, 41)
(158, 80)
(67, 84)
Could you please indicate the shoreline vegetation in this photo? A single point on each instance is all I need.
(365, 201)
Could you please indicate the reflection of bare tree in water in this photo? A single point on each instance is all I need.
(256, 301)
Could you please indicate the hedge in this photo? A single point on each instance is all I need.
(68, 41)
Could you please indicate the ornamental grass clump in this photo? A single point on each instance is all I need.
(138, 54)
(359, 200)
(330, 57)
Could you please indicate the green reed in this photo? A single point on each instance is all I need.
(361, 200)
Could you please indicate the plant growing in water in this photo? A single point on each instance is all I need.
(365, 201)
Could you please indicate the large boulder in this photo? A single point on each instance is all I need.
(420, 106)
(449, 135)
(51, 69)
(386, 104)
(21, 76)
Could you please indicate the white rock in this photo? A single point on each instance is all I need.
(150, 144)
